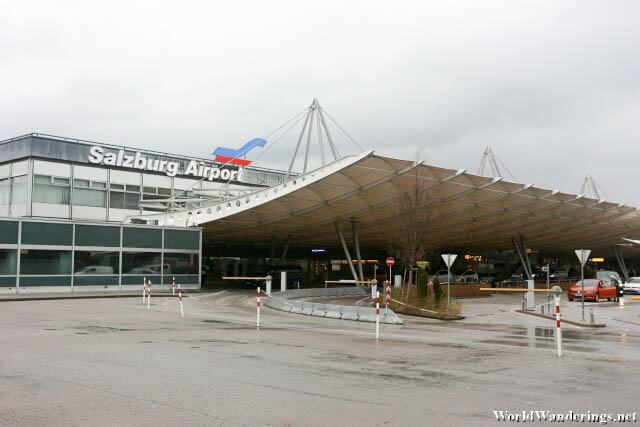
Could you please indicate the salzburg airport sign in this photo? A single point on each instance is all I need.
(137, 160)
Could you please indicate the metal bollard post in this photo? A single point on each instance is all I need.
(387, 294)
(377, 315)
(173, 285)
(558, 292)
(592, 317)
(269, 282)
(542, 309)
(144, 289)
(149, 295)
(180, 296)
(258, 308)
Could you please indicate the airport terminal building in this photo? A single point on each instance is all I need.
(63, 202)
(77, 213)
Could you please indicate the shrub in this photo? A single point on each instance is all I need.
(437, 290)
(423, 279)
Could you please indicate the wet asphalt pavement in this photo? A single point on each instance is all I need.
(113, 362)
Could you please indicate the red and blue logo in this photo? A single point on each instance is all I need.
(229, 155)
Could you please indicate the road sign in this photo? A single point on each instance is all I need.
(390, 261)
(583, 255)
(449, 259)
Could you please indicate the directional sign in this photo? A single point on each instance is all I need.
(390, 261)
(449, 259)
(583, 255)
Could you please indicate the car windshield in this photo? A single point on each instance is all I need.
(605, 275)
(634, 280)
(591, 282)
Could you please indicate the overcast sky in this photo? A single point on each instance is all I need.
(553, 87)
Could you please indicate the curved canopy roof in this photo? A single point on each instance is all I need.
(482, 213)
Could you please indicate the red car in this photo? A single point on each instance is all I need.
(594, 289)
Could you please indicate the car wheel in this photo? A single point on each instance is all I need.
(570, 299)
(597, 297)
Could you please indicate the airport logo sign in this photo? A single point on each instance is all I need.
(230, 155)
(137, 160)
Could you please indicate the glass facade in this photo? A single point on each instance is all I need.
(38, 254)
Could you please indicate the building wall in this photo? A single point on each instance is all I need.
(55, 255)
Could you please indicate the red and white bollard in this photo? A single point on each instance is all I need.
(173, 285)
(258, 308)
(558, 329)
(148, 294)
(377, 314)
(387, 298)
(180, 297)
(144, 289)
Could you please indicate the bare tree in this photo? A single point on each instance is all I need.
(418, 222)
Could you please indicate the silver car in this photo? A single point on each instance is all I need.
(632, 286)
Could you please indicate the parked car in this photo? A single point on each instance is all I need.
(559, 275)
(594, 290)
(468, 276)
(141, 270)
(606, 276)
(632, 286)
(442, 276)
(95, 269)
(515, 280)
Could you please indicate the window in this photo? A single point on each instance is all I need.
(179, 263)
(86, 194)
(124, 200)
(47, 262)
(8, 261)
(47, 189)
(19, 190)
(46, 233)
(4, 191)
(141, 237)
(97, 235)
(88, 262)
(98, 184)
(9, 232)
(142, 263)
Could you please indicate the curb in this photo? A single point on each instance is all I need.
(66, 297)
(571, 322)
(430, 316)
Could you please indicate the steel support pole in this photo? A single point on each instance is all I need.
(284, 251)
(295, 153)
(346, 250)
(621, 264)
(357, 244)
(515, 244)
(306, 152)
(526, 257)
(320, 137)
(334, 150)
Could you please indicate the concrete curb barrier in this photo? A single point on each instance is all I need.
(285, 301)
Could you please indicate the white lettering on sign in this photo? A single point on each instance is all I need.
(139, 161)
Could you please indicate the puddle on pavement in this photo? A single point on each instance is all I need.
(98, 329)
